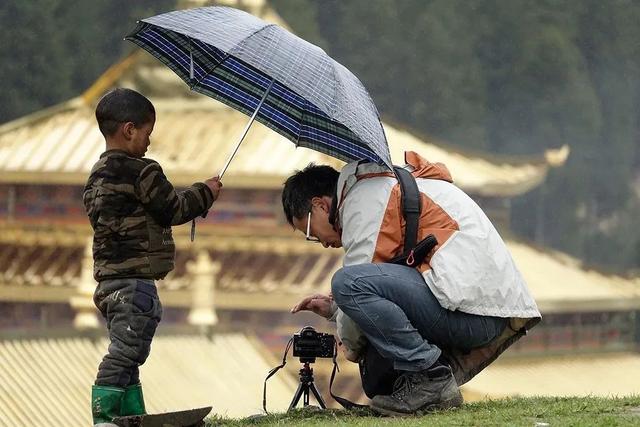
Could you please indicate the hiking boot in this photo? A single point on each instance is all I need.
(133, 401)
(106, 402)
(418, 392)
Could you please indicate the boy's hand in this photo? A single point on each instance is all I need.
(318, 303)
(214, 185)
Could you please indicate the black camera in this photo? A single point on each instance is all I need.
(309, 344)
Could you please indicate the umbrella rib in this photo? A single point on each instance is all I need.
(304, 110)
(226, 56)
(244, 40)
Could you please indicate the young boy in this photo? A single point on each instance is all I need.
(131, 206)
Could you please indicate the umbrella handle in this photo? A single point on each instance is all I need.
(246, 129)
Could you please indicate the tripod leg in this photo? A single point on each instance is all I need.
(296, 397)
(318, 396)
(305, 395)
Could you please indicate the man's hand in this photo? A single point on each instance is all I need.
(318, 303)
(214, 185)
(351, 356)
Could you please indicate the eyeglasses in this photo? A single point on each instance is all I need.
(309, 237)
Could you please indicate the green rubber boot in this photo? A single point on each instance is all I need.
(106, 403)
(133, 401)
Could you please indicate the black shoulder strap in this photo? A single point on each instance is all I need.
(333, 210)
(346, 403)
(410, 196)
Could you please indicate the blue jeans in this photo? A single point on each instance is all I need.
(402, 319)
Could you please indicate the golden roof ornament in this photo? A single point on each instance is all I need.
(203, 273)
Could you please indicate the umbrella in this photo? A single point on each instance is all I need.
(264, 71)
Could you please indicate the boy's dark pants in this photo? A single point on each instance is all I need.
(132, 310)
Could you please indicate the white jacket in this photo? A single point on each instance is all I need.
(469, 270)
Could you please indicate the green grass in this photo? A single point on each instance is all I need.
(588, 411)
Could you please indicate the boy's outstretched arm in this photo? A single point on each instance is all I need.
(170, 207)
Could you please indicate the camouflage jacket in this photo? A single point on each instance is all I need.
(131, 206)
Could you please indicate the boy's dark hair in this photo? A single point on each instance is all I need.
(301, 187)
(120, 106)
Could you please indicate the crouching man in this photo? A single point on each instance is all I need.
(436, 325)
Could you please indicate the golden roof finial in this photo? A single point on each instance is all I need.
(203, 273)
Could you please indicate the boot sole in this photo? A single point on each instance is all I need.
(447, 404)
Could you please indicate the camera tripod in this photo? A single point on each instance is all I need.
(306, 384)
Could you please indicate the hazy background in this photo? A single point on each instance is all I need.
(487, 76)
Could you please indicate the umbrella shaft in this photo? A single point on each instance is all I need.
(246, 129)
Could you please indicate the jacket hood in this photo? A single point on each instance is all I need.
(422, 168)
(418, 165)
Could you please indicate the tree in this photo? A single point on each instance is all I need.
(31, 59)
(54, 49)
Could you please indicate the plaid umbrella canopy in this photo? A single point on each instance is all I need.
(263, 70)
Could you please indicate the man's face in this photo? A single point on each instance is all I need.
(139, 137)
(319, 226)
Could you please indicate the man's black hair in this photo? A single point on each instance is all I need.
(120, 106)
(301, 187)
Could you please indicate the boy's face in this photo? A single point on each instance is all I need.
(138, 138)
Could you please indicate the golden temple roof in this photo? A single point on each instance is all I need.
(193, 138)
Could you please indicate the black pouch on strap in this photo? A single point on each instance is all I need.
(413, 253)
(418, 254)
